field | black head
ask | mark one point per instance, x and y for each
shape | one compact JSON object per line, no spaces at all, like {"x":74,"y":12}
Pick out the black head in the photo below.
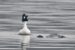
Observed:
{"x":24,"y":17}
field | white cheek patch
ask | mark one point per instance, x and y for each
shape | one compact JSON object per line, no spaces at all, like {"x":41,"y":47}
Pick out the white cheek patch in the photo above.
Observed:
{"x":24,"y":17}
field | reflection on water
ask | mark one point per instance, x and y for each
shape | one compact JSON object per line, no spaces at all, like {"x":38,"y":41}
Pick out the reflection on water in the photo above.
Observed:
{"x":46,"y":17}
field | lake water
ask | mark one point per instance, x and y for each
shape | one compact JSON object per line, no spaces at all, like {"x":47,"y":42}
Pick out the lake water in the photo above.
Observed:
{"x":45,"y":17}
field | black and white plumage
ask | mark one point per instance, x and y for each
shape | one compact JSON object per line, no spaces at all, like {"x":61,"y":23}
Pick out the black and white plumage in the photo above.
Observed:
{"x":25,"y":30}
{"x":24,"y":17}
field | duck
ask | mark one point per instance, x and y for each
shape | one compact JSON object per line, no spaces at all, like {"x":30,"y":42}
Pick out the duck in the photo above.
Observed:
{"x":40,"y":36}
{"x":25,"y":30}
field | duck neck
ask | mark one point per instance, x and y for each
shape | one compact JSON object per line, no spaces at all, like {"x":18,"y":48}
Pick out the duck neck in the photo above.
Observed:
{"x":25,"y":24}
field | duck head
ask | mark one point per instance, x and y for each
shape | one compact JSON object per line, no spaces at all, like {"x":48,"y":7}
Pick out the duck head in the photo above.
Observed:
{"x":24,"y":17}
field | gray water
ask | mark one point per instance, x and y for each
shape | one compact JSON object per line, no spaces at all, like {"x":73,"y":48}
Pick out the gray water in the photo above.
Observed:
{"x":45,"y":17}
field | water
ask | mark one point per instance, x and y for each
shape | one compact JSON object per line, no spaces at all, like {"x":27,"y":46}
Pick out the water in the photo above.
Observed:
{"x":45,"y":17}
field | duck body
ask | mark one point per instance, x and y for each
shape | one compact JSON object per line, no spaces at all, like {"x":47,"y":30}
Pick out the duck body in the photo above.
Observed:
{"x":40,"y":36}
{"x":25,"y":30}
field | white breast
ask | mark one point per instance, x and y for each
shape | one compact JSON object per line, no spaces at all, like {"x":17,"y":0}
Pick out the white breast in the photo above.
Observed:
{"x":25,"y":31}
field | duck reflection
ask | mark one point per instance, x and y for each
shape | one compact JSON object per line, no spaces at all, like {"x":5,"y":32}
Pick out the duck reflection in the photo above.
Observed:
{"x":24,"y":47}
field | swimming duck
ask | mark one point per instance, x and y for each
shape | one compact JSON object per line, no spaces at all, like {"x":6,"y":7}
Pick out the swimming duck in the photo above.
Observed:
{"x":40,"y":36}
{"x":25,"y":30}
